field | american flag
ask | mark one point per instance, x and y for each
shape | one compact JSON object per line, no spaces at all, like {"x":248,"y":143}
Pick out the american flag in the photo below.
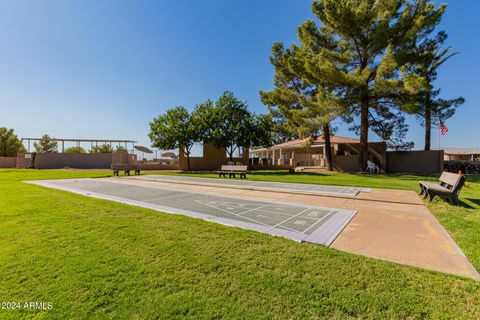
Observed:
{"x":443,"y":129}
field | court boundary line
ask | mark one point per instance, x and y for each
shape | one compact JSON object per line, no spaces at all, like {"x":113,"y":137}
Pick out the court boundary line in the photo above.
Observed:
{"x":250,"y":187}
{"x":292,"y":235}
{"x":277,"y":191}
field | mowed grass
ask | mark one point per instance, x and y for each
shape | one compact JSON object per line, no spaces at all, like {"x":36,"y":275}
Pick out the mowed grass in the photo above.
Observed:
{"x":104,"y":260}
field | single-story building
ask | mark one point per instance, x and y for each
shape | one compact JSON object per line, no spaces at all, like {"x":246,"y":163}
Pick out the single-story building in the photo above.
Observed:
{"x":464,"y":154}
{"x":311,"y":152}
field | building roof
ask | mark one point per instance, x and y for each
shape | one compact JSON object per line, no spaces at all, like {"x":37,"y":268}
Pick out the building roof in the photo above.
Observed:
{"x":461,"y":151}
{"x":318,"y":140}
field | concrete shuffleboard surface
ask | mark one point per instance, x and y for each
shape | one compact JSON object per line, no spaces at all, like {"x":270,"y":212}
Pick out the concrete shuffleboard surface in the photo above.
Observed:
{"x":306,"y":188}
{"x":315,"y":224}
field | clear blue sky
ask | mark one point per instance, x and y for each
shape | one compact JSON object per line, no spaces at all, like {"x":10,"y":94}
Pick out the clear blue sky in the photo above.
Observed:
{"x":104,"y":69}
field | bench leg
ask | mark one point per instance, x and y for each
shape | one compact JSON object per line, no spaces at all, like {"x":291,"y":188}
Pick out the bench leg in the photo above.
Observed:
{"x":127,"y":172}
{"x":454,"y":200}
{"x":422,"y":191}
{"x":431,"y":196}
{"x":137,"y":172}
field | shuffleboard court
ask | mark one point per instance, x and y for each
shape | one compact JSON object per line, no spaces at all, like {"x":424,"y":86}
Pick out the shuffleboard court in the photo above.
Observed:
{"x":259,"y":185}
{"x":314,"y":224}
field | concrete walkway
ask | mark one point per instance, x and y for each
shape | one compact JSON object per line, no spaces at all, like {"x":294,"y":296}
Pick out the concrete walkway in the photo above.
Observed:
{"x":392,"y":225}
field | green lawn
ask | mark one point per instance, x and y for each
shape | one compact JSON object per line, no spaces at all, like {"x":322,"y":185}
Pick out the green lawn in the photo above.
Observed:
{"x":104,"y":260}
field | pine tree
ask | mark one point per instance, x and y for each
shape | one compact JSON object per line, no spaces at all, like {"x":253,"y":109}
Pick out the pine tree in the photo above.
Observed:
{"x":302,"y":101}
{"x":10,"y":144}
{"x":46,"y":145}
{"x":432,"y":108}
{"x":369,"y":55}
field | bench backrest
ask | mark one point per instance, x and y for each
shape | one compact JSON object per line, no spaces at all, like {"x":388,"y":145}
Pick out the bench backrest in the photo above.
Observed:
{"x":451,"y":180}
{"x":124,"y":167}
{"x":234,"y":168}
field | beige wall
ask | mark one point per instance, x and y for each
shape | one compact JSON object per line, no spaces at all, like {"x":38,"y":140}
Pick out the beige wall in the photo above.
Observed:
{"x":212,"y":159}
{"x":8,"y":162}
{"x":123,"y":157}
{"x":73,"y":160}
{"x":346,"y":163}
{"x":25,"y":160}
{"x":377,"y":153}
{"x":415,"y":162}
{"x":159,"y":167}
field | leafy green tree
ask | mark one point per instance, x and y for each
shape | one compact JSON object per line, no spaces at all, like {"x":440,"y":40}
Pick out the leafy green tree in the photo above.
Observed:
{"x":10,"y":145}
{"x":46,"y":145}
{"x":432,"y":109}
{"x":206,"y":116}
{"x":103,"y":148}
{"x":234,"y":127}
{"x":365,"y":53}
{"x":120,"y":148}
{"x":262,"y":135}
{"x":76,"y":149}
{"x":176,"y":129}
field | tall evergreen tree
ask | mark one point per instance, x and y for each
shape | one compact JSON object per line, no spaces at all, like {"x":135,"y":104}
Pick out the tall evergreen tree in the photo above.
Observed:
{"x":369,"y":55}
{"x":305,"y":105}
{"x":46,"y":145}
{"x":10,"y":145}
{"x":432,"y":109}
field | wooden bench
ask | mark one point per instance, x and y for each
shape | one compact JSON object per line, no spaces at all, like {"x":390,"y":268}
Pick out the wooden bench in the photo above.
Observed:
{"x":449,"y":188}
{"x":231,"y":170}
{"x":126,"y":168}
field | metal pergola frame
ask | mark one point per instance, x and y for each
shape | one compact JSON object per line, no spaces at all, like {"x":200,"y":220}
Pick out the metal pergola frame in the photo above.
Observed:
{"x":79,"y":141}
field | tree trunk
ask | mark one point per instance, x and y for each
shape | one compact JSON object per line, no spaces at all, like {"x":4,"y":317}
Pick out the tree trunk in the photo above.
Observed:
{"x":428,"y":121}
{"x":328,"y":148}
{"x":188,"y":161}
{"x":364,"y":133}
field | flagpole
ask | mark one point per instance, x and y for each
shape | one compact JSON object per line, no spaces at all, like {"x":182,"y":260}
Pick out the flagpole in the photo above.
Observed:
{"x":438,"y":142}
